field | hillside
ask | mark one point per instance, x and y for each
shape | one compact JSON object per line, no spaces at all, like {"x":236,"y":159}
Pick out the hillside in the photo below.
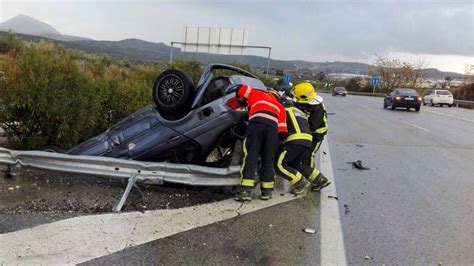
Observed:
{"x":136,"y":49}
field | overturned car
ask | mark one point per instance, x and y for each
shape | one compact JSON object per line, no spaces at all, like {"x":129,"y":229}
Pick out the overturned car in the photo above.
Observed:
{"x":189,"y":124}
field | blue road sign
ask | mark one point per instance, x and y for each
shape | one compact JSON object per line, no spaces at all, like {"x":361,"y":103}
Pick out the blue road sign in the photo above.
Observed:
{"x":287,"y":78}
{"x":375,"y":80}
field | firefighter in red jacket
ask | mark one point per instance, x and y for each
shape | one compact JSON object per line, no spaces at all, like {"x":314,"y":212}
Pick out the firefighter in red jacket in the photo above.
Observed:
{"x":267,"y":119}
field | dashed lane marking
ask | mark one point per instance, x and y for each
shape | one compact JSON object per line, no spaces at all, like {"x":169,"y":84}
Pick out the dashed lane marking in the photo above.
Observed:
{"x":332,"y":241}
{"x":413,"y":125}
{"x":450,"y":116}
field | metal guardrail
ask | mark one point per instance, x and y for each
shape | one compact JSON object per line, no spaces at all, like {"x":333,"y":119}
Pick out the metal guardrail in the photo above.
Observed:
{"x":132,"y":171}
{"x":146,"y":172}
{"x":357,"y":93}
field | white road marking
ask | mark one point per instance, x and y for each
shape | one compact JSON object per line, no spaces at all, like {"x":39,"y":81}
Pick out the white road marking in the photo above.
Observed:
{"x":332,"y":241}
{"x":450,"y":116}
{"x":413,"y":125}
{"x":81,"y":239}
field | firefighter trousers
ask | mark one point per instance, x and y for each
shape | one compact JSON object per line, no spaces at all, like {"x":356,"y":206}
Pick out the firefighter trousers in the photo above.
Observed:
{"x":315,"y":145}
{"x":290,"y":163}
{"x":261,"y":140}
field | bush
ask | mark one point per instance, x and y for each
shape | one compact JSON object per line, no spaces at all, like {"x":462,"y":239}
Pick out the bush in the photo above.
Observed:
{"x":50,"y":96}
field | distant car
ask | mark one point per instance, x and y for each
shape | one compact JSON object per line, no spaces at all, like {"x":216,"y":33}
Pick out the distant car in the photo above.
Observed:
{"x":339,"y":91}
{"x":187,"y":123}
{"x":441,"y":97}
{"x":407,"y":98}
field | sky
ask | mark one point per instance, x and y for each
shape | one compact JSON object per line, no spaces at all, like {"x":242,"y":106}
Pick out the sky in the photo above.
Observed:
{"x":440,"y":32}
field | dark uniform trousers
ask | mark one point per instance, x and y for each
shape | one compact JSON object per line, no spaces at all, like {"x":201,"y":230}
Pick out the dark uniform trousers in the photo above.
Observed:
{"x":290,"y":164}
{"x":315,"y":145}
{"x":261,"y":139}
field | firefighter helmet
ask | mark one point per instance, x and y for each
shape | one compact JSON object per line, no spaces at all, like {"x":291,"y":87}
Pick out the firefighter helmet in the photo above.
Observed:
{"x":304,"y":92}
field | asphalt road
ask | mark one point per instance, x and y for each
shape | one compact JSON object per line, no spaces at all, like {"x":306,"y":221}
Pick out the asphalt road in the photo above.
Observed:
{"x":414,"y":205}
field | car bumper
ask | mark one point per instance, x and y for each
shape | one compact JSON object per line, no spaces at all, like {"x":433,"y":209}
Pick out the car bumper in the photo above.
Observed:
{"x":445,"y":101}
{"x":407,"y":104}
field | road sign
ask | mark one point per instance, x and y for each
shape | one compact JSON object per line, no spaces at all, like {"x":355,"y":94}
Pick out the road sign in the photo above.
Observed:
{"x":375,"y":81}
{"x":287,"y":78}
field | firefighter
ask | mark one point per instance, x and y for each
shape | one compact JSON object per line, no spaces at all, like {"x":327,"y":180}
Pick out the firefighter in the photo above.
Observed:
{"x":312,"y":104}
{"x":296,"y":147}
{"x":267,"y":119}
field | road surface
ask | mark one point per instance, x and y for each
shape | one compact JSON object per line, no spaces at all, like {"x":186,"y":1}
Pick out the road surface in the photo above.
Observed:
{"x":414,"y":206}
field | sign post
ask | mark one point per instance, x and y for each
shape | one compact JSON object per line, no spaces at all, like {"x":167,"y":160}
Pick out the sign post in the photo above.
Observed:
{"x":374,"y":82}
{"x":287,"y":78}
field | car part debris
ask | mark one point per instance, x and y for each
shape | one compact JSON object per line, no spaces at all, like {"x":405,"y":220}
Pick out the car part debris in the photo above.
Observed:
{"x":358,"y":164}
{"x":346,"y":209}
{"x":330,"y":113}
{"x":333,"y":197}
{"x":358,"y":145}
{"x":367,"y":257}
{"x":309,"y":231}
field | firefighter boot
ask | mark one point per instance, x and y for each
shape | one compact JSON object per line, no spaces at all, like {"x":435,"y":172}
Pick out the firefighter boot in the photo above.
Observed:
{"x":266,"y":194}
{"x":244,"y":195}
{"x":300,"y":186}
{"x":321,"y":183}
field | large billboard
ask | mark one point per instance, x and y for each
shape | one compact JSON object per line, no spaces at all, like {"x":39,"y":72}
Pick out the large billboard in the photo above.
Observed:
{"x":215,"y":40}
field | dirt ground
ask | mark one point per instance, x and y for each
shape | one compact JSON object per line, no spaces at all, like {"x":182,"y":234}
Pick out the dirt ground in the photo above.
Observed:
{"x":34,"y":196}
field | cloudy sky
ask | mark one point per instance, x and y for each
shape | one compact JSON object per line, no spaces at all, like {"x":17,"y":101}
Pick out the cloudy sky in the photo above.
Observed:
{"x":442,"y":32}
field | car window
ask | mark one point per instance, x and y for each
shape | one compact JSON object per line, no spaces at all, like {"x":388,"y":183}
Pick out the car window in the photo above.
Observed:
{"x":443,"y":93}
{"x":215,"y":89}
{"x":408,"y":92}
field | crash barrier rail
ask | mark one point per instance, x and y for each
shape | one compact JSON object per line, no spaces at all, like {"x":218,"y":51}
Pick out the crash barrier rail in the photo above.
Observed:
{"x":378,"y":94}
{"x":133,"y":171}
{"x":456,"y":102}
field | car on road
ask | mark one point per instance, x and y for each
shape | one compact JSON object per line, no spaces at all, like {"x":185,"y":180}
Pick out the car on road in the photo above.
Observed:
{"x":440,"y":97}
{"x":187,"y":123}
{"x":402,"y":97}
{"x":339,"y":91}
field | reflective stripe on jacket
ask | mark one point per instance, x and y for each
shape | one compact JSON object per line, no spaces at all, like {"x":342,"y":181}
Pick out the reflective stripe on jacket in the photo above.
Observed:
{"x":264,"y":108}
{"x":317,"y":119}
{"x":298,"y":127}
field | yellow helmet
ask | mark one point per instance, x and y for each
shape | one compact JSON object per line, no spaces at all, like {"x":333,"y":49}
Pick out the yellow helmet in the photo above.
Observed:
{"x":304,"y":92}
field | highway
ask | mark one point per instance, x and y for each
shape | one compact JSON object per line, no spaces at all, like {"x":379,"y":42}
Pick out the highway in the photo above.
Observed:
{"x":414,"y":206}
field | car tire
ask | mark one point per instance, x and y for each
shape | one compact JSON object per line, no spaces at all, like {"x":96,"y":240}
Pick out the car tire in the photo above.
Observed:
{"x":392,"y":106}
{"x":384,"y":105}
{"x":173,"y":92}
{"x":450,"y":105}
{"x":431,"y":102}
{"x":424,"y":103}
{"x":417,"y":108}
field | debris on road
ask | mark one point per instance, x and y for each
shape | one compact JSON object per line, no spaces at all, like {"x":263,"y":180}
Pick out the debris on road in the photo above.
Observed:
{"x":368,"y":257}
{"x":341,"y":169}
{"x":358,"y":145}
{"x":346,"y":209}
{"x":358,"y":164}
{"x":333,"y":197}
{"x":309,"y":231}
{"x":330,"y":113}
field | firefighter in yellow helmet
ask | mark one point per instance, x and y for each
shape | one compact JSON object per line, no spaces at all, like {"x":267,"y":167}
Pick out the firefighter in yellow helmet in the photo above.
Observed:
{"x":311,"y":103}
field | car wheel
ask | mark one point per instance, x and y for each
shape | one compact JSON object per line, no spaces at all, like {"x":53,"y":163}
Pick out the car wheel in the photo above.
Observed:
{"x":450,"y":105}
{"x":417,"y":108}
{"x":392,"y":106}
{"x":384,"y":105}
{"x":424,"y":102}
{"x":173,"y":92}
{"x":432,"y":104}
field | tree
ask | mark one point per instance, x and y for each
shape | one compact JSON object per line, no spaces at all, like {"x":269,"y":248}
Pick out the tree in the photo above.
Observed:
{"x":395,"y":73}
{"x":321,"y":76}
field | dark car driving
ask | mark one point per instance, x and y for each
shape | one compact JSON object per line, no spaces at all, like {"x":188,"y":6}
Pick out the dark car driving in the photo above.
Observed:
{"x":187,"y":124}
{"x":339,"y":91}
{"x":403,"y":97}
